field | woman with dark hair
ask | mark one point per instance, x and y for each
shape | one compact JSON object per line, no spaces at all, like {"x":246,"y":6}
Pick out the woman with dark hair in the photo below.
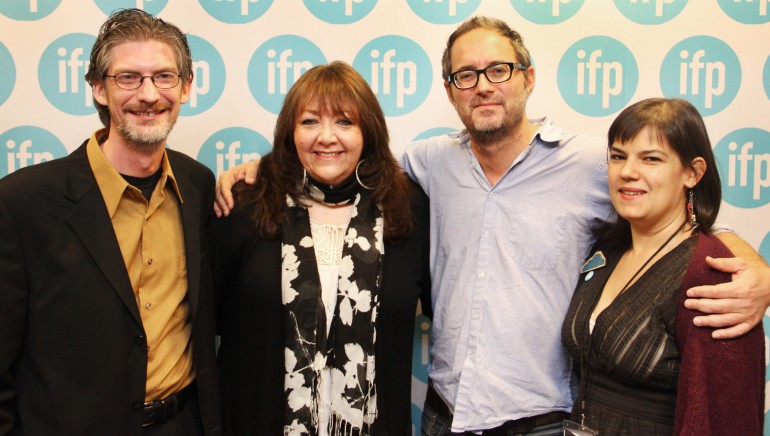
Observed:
{"x":319,"y":270}
{"x":644,"y":368}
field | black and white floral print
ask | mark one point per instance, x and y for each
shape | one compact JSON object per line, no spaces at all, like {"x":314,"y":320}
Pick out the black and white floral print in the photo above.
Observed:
{"x":348,"y":349}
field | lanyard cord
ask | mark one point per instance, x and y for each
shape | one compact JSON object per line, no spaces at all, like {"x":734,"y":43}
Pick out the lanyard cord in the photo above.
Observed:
{"x":583,"y":360}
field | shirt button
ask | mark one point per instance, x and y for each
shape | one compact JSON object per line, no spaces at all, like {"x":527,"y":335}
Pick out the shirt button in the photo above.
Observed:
{"x":139,"y":340}
{"x":147,"y":306}
{"x":486,"y":233}
{"x":149,"y":261}
{"x":481,"y":274}
{"x":472,"y":356}
{"x":475,"y":315}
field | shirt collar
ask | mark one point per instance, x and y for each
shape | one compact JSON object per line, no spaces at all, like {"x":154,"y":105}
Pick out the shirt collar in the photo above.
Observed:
{"x":111,"y":183}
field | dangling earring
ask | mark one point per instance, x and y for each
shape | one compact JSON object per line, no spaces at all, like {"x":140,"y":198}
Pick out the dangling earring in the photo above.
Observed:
{"x":359,"y":179}
{"x":691,"y":210}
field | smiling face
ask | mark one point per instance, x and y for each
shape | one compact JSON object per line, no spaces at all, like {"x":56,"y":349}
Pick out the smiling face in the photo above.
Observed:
{"x":489,"y":109}
{"x":648,"y":181}
{"x":329,"y":144}
{"x":143,"y":117}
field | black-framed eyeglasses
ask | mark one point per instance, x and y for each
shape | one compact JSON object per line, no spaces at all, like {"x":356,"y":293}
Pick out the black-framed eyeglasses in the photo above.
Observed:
{"x":495,"y":73}
{"x":162,"y":80}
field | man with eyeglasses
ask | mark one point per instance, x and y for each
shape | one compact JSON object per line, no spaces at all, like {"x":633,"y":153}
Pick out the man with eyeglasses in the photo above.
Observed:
{"x":106,"y":308}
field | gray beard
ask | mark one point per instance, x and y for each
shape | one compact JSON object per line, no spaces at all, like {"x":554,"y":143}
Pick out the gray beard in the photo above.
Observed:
{"x":145,"y":142}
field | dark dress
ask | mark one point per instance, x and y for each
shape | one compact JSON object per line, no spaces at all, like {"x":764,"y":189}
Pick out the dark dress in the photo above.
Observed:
{"x":644,"y":342}
{"x":247,"y":271}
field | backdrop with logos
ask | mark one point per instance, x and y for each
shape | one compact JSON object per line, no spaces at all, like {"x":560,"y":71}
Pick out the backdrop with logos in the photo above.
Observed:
{"x":591,"y":57}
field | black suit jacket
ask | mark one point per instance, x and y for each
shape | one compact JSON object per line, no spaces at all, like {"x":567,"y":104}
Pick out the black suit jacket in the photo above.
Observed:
{"x":73,"y":357}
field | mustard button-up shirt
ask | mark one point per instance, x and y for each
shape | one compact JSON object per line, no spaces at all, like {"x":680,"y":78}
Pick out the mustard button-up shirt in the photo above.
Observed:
{"x":151,"y":241}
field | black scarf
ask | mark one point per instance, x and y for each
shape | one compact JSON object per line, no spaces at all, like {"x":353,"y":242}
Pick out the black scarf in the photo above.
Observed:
{"x":349,"y":348}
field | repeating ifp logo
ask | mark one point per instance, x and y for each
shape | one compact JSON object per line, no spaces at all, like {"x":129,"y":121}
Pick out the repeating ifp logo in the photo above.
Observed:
{"x":150,"y":6}
{"x":28,"y":10}
{"x":398,"y":70}
{"x":597,"y":76}
{"x":650,"y":11}
{"x":443,"y":11}
{"x":232,"y":146}
{"x":547,"y":11}
{"x":7,"y":73}
{"x":743,"y":158}
{"x":209,"y":76}
{"x":703,"y":70}
{"x":766,"y":77}
{"x":277,"y":64}
{"x":28,"y":145}
{"x":236,"y":11}
{"x":340,"y":11}
{"x":746,"y":11}
{"x":61,"y":70}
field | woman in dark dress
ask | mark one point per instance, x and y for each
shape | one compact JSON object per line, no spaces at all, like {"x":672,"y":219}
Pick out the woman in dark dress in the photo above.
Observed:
{"x":644,"y":368}
{"x":319,"y":270}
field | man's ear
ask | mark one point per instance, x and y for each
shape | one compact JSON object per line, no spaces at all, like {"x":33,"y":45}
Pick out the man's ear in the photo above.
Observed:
{"x":448,"y":89}
{"x":100,"y":93}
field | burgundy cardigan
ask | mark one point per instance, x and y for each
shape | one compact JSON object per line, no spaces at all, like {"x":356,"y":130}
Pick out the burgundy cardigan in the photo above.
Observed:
{"x":721,"y":382}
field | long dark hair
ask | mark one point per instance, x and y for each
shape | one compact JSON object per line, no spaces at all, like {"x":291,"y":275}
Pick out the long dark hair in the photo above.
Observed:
{"x":339,"y":88}
{"x":679,"y":123}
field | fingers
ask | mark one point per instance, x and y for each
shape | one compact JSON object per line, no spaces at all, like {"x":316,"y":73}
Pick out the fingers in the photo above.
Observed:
{"x":727,"y":264}
{"x":730,"y":332}
{"x":223,"y":202}
{"x":218,"y":211}
{"x":251,"y":170}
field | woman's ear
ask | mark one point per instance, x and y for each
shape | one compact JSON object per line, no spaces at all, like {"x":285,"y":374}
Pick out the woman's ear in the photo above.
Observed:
{"x":696,"y":172}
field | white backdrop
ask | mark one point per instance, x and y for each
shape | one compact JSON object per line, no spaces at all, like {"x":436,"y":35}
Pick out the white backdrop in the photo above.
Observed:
{"x":592,"y":57}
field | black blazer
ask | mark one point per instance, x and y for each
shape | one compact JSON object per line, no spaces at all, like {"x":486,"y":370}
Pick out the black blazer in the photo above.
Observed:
{"x":73,"y":357}
{"x":247,"y":275}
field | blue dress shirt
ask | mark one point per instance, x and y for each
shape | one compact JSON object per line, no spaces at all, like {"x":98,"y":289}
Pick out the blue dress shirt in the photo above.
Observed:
{"x":505,"y":260}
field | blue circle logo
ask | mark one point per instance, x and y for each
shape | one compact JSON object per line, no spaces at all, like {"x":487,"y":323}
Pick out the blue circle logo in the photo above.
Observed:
{"x":436,"y":131}
{"x":150,"y":6}
{"x":547,"y":11}
{"x":232,"y":146}
{"x":743,"y":159}
{"x":598,"y":76}
{"x":443,"y":12}
{"x":28,"y":10}
{"x":399,"y":72}
{"x":340,"y":11}
{"x":766,"y":77}
{"x":703,"y":70}
{"x":746,"y":11}
{"x":650,"y":12}
{"x":209,"y":77}
{"x":23,"y":146}
{"x":61,"y":70}
{"x":277,"y":64}
{"x":7,"y":73}
{"x":236,"y":11}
